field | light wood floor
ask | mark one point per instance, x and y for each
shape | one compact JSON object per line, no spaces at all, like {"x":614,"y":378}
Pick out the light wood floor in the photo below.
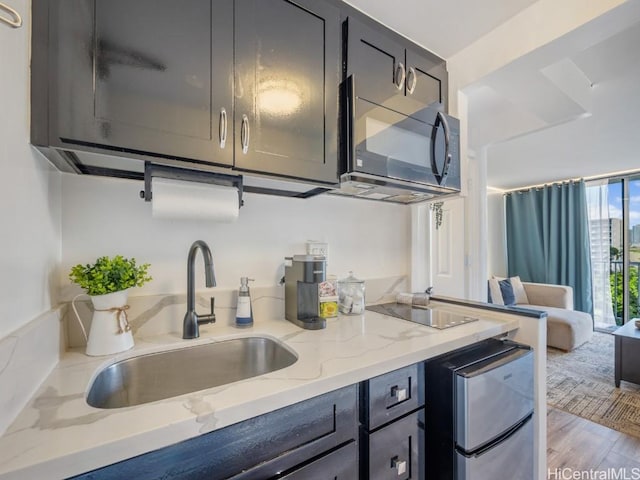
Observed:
{"x":581,"y":445}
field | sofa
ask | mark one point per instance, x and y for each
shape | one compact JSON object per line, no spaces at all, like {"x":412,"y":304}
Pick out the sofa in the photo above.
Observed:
{"x":566,"y":328}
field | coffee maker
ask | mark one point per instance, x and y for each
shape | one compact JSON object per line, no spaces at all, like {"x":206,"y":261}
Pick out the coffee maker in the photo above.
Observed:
{"x":302,"y":277}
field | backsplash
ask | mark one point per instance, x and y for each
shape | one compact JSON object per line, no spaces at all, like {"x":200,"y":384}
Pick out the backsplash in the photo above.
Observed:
{"x":105,"y":216}
{"x":151,"y":315}
{"x":27,"y":356}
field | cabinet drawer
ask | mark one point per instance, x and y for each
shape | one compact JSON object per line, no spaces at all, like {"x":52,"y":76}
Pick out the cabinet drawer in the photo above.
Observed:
{"x":394,"y":452}
{"x":391,"y":395}
{"x":260,"y":447}
{"x":341,"y":464}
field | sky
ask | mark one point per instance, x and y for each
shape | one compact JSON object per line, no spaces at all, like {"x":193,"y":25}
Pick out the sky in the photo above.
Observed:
{"x":615,"y":201}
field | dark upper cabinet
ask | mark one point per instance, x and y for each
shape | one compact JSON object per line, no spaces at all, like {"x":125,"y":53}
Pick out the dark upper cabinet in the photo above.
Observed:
{"x":376,"y":61}
{"x":426,"y":79}
{"x":249,"y":84}
{"x":287,"y":60}
{"x":148,"y":76}
{"x":390,"y":71}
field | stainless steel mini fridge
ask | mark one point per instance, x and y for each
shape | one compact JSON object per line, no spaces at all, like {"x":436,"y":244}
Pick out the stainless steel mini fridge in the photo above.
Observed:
{"x":479,"y":408}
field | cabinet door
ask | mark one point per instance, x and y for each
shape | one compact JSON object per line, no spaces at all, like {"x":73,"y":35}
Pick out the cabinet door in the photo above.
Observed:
{"x":377,"y":63}
{"x":426,"y":80}
{"x":149,"y":77}
{"x":342,"y":464}
{"x":287,"y":74}
{"x":255,"y":449}
{"x":395,"y":452}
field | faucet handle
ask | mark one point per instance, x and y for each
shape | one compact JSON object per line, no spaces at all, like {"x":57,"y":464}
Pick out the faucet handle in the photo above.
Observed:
{"x":209,"y":317}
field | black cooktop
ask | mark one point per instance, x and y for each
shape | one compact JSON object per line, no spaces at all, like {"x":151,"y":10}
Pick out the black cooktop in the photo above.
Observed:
{"x":429,"y":316}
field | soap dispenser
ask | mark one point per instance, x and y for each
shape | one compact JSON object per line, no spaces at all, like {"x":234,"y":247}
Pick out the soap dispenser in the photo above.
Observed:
{"x":244,"y":312}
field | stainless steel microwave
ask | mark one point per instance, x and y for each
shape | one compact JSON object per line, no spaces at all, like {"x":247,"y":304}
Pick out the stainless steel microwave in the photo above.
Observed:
{"x":397,"y":156}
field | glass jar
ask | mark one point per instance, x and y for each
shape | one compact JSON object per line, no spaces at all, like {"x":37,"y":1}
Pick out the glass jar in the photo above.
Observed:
{"x":351,"y":295}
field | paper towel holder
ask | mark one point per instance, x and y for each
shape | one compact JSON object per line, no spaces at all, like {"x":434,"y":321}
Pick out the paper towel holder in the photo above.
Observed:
{"x":162,"y":171}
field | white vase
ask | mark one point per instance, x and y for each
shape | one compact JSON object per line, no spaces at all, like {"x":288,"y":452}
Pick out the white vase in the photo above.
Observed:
{"x":110,"y":331}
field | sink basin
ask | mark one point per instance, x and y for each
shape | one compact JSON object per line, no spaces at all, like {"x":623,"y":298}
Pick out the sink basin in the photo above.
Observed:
{"x":155,"y":376}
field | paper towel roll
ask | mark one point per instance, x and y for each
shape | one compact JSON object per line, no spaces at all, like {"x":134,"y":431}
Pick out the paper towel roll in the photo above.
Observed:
{"x":179,"y":199}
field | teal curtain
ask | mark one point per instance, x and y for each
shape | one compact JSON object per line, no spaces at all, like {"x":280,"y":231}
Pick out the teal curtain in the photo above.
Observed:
{"x":548,"y":238}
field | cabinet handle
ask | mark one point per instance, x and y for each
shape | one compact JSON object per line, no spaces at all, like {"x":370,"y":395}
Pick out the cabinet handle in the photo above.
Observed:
{"x":15,"y":21}
{"x":399,"y":76}
{"x":400,"y":466}
{"x":412,"y":79}
{"x":399,"y":394}
{"x":222,"y":128}
{"x":244,"y":134}
{"x":441,"y":176}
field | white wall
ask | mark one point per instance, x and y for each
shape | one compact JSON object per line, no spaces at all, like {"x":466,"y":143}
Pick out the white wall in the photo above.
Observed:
{"x":29,"y":193}
{"x":496,"y":236}
{"x":105,"y":216}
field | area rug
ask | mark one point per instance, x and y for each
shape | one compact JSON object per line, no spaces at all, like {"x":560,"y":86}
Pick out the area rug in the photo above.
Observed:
{"x":581,"y":382}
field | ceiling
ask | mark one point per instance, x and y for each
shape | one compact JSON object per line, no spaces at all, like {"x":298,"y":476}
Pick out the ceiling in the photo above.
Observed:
{"x":566,"y":110}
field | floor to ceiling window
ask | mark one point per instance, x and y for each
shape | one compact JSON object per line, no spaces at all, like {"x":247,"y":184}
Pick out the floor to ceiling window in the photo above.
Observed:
{"x":614,"y":223}
{"x":634,"y":246}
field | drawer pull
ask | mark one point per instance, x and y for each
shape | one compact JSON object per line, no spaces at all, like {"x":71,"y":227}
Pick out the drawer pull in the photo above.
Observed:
{"x":400,"y":466}
{"x":399,"y":393}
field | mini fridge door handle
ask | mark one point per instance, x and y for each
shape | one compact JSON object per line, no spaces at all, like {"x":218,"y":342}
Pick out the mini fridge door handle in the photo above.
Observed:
{"x":511,"y":458}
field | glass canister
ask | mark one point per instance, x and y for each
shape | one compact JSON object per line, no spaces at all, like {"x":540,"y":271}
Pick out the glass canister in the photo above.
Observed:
{"x":351,"y":295}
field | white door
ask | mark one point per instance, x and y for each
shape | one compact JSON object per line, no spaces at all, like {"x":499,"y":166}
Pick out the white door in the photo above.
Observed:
{"x":447,"y":248}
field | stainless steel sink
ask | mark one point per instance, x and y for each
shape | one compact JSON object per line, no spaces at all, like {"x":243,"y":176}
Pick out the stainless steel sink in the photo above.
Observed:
{"x":155,"y":376}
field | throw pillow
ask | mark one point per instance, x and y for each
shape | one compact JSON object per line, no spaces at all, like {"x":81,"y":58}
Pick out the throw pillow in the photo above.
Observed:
{"x":495,"y":294}
{"x":518,"y":289}
{"x":508,"y":297}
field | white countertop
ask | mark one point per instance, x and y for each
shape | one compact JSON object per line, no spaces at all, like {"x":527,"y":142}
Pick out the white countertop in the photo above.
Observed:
{"x":58,"y":435}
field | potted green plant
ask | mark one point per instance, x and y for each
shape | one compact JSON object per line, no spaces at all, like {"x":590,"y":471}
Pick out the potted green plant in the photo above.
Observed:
{"x":107,"y":283}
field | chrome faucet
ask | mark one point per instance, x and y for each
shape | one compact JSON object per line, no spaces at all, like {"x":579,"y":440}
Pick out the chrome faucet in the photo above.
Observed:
{"x":190,"y":325}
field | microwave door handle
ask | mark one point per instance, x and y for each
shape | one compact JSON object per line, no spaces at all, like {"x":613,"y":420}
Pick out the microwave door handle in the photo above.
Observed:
{"x":349,"y":147}
{"x":442,"y":176}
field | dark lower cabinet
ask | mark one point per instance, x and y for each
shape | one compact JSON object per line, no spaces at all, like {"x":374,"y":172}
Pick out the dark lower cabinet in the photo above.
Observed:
{"x":294,"y":439}
{"x":341,"y":464}
{"x":390,"y":396}
{"x":370,"y":431}
{"x":392,"y":425}
{"x":394,"y":452}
